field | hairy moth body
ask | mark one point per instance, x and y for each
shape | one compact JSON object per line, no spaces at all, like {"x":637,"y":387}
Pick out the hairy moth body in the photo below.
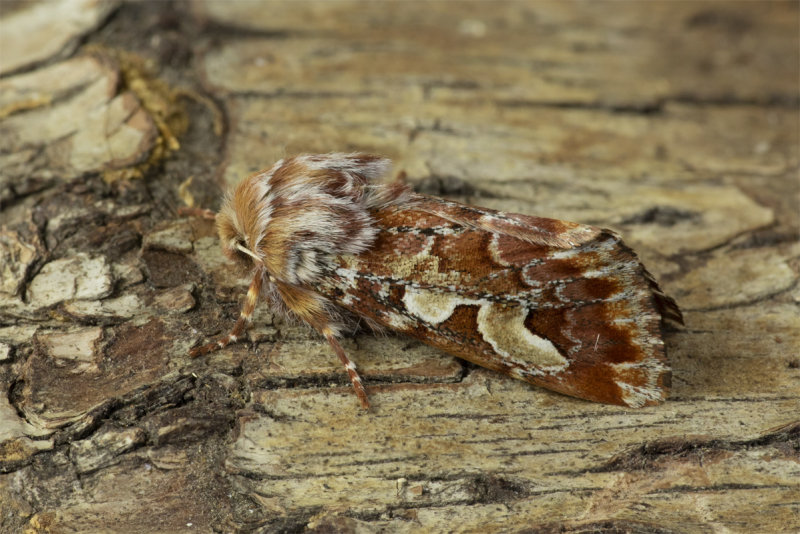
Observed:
{"x":565,"y":306}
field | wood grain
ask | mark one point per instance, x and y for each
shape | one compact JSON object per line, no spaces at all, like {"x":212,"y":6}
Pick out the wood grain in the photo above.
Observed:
{"x":674,"y":123}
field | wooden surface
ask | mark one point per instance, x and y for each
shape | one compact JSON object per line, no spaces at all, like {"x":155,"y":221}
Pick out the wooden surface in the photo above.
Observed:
{"x":675,"y":123}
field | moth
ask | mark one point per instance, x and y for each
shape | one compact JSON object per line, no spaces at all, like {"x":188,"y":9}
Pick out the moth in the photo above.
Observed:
{"x":565,"y":306}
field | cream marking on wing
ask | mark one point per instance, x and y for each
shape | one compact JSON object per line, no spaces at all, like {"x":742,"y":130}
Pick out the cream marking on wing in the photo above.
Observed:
{"x":406,"y":266}
{"x":495,"y":252}
{"x":565,"y":254}
{"x":503,"y":327}
{"x":434,"y":308}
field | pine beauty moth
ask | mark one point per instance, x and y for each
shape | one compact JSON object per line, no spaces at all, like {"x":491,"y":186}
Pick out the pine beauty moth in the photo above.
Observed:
{"x":561,"y":305}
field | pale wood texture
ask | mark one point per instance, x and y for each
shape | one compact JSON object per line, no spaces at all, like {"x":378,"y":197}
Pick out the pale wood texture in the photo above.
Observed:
{"x":675,"y":123}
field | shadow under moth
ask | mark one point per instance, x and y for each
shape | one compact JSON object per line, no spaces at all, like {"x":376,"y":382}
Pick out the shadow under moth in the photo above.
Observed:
{"x":561,"y":305}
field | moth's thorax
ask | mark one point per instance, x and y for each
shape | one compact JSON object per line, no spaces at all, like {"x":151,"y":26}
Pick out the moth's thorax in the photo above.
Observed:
{"x":295,"y":217}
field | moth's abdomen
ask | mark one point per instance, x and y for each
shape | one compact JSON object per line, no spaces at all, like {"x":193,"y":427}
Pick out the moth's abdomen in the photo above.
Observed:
{"x":583,"y":320}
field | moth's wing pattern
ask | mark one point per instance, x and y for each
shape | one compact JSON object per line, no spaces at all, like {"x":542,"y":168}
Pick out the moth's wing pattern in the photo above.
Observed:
{"x":534,"y":230}
{"x":541,"y":231}
{"x":565,"y":306}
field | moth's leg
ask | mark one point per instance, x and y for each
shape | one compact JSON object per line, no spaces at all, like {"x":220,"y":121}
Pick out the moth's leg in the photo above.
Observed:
{"x":197,"y":212}
{"x":310,"y":307}
{"x":245,"y":316}
{"x":348,"y":365}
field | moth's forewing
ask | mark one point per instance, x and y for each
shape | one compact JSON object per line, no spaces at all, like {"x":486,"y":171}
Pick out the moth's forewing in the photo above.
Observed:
{"x":579,"y":315}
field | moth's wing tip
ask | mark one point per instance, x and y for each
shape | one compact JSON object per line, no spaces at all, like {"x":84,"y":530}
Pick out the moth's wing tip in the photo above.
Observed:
{"x":652,"y":393}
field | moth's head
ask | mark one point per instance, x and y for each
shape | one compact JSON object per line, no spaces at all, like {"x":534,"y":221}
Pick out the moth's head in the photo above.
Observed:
{"x":234,"y":244}
{"x":241,"y":223}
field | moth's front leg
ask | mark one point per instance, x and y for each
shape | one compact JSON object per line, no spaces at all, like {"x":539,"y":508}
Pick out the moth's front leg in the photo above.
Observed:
{"x":249,"y":306}
{"x":245,"y":317}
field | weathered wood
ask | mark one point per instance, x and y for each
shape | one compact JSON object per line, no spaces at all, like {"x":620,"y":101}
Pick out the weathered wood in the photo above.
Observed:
{"x":674,"y":123}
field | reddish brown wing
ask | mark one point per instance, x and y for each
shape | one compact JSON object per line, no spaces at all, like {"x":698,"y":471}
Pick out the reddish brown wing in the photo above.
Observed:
{"x":492,"y":288}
